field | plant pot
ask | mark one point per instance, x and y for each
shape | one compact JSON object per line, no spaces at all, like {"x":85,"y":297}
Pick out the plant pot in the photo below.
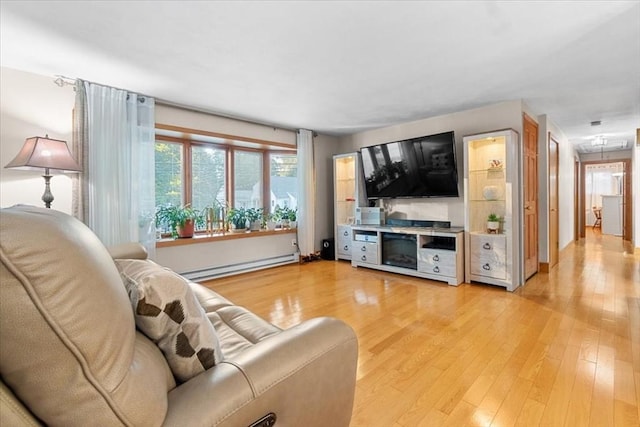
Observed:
{"x":293,"y":224}
{"x":186,"y":230}
{"x":493,"y":226}
{"x":271,"y":225}
{"x":238,"y":230}
{"x":256,"y":225}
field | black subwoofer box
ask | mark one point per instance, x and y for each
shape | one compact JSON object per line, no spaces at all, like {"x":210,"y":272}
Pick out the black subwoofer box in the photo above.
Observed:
{"x":328,"y":249}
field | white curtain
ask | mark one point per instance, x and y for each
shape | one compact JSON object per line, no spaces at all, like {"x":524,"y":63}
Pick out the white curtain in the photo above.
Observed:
{"x":306,"y":193}
{"x":119,"y":174}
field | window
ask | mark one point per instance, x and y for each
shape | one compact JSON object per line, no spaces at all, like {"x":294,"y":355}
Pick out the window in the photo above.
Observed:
{"x":208,"y":174}
{"x":209,"y":171}
{"x":283,"y":179}
{"x":169,"y":188}
{"x":247,"y":179}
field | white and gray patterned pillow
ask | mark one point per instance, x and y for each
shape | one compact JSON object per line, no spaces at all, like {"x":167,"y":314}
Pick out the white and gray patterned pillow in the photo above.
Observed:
{"x":167,"y":312}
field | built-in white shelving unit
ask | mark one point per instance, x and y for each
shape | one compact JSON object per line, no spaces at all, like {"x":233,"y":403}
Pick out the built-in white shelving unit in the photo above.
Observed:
{"x":348,"y":195}
{"x":492,"y":185}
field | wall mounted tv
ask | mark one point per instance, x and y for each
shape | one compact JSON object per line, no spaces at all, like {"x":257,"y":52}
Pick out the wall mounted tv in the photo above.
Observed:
{"x":417,"y":167}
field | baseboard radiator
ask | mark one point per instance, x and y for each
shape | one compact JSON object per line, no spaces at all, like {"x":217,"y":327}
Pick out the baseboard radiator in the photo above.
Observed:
{"x":242,"y":267}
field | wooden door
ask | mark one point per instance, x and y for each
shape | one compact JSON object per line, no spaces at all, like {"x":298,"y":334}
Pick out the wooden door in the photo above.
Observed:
{"x":530,"y":174}
{"x":554,"y":243}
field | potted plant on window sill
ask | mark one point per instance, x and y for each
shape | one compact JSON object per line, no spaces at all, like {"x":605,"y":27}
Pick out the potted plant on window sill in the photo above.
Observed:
{"x":493,"y":223}
{"x":254,"y":216}
{"x":269,"y":221}
{"x":237,"y":218}
{"x":180,"y":219}
{"x":286,"y":216}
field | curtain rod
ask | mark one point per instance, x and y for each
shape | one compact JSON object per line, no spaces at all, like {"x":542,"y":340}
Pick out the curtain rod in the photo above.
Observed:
{"x":70,"y":81}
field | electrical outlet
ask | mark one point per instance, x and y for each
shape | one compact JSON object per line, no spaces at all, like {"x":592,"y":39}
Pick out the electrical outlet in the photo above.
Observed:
{"x":293,"y":242}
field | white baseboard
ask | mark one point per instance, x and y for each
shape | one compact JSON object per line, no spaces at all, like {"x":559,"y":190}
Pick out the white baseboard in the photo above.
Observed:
{"x":242,"y":267}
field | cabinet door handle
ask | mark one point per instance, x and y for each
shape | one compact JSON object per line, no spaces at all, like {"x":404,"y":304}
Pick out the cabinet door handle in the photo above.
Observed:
{"x":436,"y":269}
{"x":346,"y":247}
{"x":363,"y":249}
{"x":436,"y":258}
{"x":363,"y":257}
{"x":486,"y":246}
{"x":486,"y":267}
{"x":346,"y":233}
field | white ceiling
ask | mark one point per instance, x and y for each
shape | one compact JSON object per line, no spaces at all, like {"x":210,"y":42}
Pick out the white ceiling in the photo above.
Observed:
{"x":342,"y":67}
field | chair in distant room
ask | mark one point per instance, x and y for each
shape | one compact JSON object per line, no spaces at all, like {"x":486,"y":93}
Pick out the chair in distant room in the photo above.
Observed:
{"x":597,"y":212}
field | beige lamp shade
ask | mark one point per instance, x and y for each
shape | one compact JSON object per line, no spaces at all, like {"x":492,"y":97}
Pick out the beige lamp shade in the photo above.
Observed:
{"x":45,"y":153}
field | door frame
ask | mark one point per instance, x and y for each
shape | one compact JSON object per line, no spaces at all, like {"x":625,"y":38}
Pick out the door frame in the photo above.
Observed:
{"x":550,"y":239}
{"x":627,"y":220}
{"x":536,"y":199}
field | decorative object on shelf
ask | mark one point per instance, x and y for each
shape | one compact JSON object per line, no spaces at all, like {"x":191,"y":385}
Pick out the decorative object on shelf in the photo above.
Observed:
{"x":495,"y":165}
{"x":493,"y":223}
{"x":45,"y":153}
{"x":237,"y":218}
{"x":491,"y":192}
{"x":181,"y":220}
{"x":214,"y":216}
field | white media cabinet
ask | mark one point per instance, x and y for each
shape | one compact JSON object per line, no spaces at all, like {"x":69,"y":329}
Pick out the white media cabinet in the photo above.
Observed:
{"x":428,"y":252}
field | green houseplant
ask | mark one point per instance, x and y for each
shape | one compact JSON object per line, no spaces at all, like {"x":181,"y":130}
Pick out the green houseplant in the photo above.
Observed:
{"x":285,"y":215}
{"x":181,"y":220}
{"x":254,"y":216}
{"x":237,"y":218}
{"x":493,"y":223}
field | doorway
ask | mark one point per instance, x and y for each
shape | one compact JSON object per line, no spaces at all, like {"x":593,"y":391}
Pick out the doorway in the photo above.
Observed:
{"x":605,"y":187}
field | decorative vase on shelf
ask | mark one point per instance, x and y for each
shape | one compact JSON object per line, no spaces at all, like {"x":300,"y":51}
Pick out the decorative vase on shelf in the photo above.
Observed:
{"x":491,"y":192}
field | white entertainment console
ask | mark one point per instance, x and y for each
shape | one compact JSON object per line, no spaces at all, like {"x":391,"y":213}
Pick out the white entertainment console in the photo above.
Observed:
{"x":428,"y":252}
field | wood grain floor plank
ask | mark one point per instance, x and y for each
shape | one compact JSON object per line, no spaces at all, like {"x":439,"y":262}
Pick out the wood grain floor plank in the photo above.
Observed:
{"x":562,"y":350}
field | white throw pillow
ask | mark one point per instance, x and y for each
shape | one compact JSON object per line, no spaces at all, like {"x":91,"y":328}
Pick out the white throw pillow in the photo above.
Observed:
{"x":167,"y":311}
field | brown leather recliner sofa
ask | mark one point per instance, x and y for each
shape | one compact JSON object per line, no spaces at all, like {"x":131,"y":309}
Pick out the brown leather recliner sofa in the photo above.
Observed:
{"x":70,"y":353}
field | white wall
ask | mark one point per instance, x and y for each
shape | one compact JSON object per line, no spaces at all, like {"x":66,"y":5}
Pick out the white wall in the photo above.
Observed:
{"x":566,"y":158}
{"x":169,"y":115}
{"x":324,"y":149}
{"x":636,"y":192}
{"x":32,"y":105}
{"x":201,"y":256}
{"x":493,"y":117}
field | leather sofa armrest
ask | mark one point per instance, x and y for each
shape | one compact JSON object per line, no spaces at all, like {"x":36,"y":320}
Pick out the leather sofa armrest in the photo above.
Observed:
{"x":305,"y":375}
{"x":132,"y":250}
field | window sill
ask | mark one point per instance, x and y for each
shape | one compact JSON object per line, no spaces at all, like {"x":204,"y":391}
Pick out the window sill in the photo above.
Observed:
{"x":206,"y":238}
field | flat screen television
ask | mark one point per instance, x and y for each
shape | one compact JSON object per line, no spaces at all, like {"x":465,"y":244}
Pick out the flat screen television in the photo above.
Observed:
{"x":416,"y":167}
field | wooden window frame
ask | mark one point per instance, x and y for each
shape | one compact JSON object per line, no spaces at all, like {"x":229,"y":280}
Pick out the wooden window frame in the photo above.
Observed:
{"x":230,"y":144}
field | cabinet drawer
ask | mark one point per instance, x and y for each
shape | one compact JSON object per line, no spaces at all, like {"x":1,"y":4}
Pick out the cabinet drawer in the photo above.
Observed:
{"x":344,"y":232}
{"x":365,"y":252}
{"x":343,"y":240}
{"x":344,"y":246}
{"x":488,"y":255}
{"x":436,"y":261}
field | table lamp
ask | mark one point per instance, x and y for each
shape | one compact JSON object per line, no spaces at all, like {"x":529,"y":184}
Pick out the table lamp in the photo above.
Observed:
{"x":44,"y":152}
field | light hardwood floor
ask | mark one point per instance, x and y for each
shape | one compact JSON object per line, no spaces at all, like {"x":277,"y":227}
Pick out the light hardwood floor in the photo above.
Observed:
{"x":564,"y":350}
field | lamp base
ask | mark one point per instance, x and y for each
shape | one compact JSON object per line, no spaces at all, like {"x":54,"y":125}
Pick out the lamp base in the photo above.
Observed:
{"x":47,"y":197}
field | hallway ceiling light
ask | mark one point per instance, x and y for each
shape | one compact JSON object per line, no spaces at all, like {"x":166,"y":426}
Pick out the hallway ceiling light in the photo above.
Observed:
{"x":599,"y":141}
